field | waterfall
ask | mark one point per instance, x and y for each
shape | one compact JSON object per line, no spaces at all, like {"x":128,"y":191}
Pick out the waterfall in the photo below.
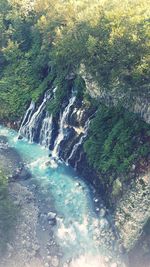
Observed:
{"x":27,"y":117}
{"x":28,"y":129}
{"x":76,"y":146}
{"x":63,"y":124}
{"x":46,"y":131}
{"x":37,"y":125}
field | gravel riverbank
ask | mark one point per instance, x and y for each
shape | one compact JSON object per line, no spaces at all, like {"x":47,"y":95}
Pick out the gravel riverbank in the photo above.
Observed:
{"x":33,"y":242}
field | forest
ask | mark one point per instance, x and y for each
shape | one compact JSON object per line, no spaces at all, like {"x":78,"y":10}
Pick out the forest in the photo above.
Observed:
{"x":45,"y":41}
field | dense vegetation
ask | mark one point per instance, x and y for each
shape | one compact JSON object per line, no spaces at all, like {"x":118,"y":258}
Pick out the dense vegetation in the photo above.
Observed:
{"x":46,"y":40}
{"x":8,"y":213}
{"x":117,"y":141}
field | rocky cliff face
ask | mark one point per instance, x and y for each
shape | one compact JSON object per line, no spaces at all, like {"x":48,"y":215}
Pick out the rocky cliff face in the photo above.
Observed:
{"x":133,"y":211}
{"x":138,"y":103}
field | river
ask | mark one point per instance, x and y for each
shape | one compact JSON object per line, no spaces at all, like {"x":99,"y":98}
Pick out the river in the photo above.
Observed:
{"x":84,"y":236}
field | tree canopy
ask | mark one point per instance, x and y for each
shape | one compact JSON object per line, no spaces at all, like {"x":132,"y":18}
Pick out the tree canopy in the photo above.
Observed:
{"x":51,"y":38}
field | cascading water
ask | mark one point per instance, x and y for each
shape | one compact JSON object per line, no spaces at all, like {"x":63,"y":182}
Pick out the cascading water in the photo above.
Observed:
{"x":63,"y":123}
{"x":28,"y":129}
{"x":46,"y":131}
{"x":76,"y":146}
{"x":26,"y":118}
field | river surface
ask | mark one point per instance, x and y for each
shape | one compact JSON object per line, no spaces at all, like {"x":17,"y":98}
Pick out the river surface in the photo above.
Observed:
{"x":78,"y":227}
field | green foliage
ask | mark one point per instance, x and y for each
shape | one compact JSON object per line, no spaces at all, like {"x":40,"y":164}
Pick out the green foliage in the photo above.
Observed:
{"x":54,"y":106}
{"x":61,"y":92}
{"x":8,"y":213}
{"x":15,"y":85}
{"x":117,"y":139}
{"x":44,"y":85}
{"x":79,"y":86}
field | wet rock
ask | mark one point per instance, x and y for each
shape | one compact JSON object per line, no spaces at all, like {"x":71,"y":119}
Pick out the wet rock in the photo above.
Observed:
{"x":48,"y":163}
{"x":78,"y":184}
{"x":51,"y":217}
{"x":52,"y":222}
{"x":20,"y":137}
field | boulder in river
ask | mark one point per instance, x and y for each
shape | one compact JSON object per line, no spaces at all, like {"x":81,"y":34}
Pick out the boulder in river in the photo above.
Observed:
{"x":51,"y":217}
{"x":20,"y":137}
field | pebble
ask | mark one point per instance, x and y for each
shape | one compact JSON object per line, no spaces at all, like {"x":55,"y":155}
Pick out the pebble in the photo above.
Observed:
{"x":55,"y":262}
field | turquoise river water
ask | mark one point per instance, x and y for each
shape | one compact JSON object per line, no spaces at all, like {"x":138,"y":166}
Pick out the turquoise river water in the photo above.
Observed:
{"x":77,"y":230}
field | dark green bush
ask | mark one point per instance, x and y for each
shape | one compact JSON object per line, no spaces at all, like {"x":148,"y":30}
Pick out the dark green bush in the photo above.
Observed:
{"x":116,"y":140}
